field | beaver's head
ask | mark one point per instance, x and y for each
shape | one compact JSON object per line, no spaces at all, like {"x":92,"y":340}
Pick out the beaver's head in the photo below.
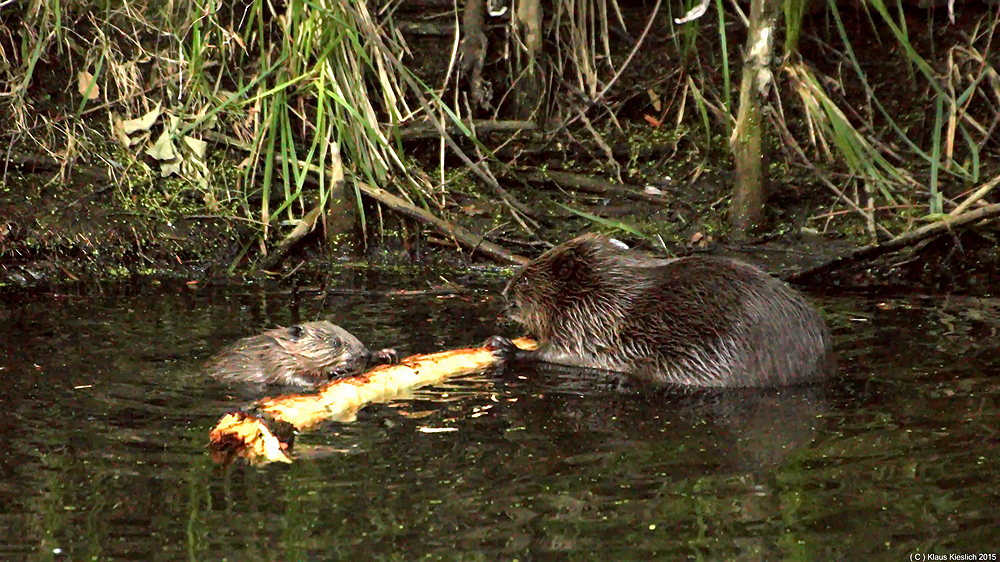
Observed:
{"x":571,"y":287}
{"x":322,"y":347}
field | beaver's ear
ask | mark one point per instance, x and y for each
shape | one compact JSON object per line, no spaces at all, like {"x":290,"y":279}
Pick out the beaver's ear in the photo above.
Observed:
{"x":565,"y":267}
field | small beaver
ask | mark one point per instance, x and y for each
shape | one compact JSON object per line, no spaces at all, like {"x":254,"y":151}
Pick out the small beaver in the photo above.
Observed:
{"x":695,"y":321}
{"x":302,"y":355}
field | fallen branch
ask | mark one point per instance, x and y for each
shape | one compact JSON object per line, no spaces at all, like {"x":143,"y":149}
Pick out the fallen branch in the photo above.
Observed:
{"x":426,"y":130}
{"x":591,"y":184}
{"x":902,"y":241}
{"x":304,"y":227}
{"x":463,"y":237}
{"x":428,"y":28}
{"x":264,"y":432}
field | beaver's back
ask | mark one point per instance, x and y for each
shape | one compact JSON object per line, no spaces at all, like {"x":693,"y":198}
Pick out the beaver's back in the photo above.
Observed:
{"x":709,"y":321}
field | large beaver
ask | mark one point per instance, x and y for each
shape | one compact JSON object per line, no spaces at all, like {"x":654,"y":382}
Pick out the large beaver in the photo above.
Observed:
{"x":302,"y":355}
{"x":700,"y":321}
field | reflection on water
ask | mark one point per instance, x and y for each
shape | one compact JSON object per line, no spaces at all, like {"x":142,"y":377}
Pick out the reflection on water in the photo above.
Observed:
{"x":106,"y":415}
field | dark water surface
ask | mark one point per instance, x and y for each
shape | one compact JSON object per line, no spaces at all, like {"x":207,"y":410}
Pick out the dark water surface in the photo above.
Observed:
{"x":104,"y":419}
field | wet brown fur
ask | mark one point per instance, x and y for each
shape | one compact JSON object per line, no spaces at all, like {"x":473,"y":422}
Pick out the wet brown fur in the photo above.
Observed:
{"x":700,"y":321}
{"x":302,"y":355}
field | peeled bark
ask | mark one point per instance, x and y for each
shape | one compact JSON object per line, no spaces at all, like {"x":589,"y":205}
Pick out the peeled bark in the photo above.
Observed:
{"x":263,"y":433}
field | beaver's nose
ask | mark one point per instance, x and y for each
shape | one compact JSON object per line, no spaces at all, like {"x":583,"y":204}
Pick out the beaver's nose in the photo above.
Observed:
{"x":507,"y":313}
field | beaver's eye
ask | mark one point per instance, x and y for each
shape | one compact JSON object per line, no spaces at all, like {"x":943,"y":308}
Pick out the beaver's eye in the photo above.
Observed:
{"x":295,"y":332}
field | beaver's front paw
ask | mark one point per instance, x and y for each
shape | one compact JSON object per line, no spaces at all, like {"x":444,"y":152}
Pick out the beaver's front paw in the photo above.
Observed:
{"x":387,"y":356}
{"x":502,"y":348}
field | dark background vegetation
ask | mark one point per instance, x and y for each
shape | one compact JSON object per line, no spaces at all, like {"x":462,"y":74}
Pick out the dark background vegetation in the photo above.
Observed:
{"x":207,"y":137}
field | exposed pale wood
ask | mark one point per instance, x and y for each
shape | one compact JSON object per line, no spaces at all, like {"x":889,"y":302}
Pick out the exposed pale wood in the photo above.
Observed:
{"x":248,"y":434}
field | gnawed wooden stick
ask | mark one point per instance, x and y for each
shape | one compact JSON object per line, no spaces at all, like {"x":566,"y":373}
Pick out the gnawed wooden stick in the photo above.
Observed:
{"x":264,"y":432}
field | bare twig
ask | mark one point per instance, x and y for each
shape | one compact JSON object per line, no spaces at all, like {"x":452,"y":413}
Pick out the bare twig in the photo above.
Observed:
{"x":979,"y":194}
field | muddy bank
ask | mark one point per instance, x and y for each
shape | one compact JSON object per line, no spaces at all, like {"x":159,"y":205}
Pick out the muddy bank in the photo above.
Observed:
{"x":91,"y":230}
{"x":52,"y":233}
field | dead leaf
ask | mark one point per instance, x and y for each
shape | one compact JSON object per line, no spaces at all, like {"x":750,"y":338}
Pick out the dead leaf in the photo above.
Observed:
{"x":654,"y":98}
{"x":87,"y":86}
{"x":163,"y":148}
{"x":139,"y":139}
{"x":196,"y":146}
{"x":473,"y":210}
{"x":170,"y":168}
{"x":143,"y":123}
{"x":116,"y":130}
